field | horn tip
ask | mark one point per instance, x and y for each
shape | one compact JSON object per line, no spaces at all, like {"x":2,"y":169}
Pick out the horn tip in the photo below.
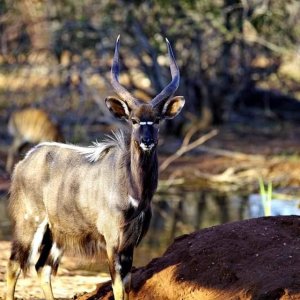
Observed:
{"x":118,"y":38}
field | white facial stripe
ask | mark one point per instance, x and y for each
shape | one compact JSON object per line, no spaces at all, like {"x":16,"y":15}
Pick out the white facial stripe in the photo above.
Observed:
{"x":146,"y":123}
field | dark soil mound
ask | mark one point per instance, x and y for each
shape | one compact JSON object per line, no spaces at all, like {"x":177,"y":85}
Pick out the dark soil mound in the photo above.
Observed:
{"x":252,"y":259}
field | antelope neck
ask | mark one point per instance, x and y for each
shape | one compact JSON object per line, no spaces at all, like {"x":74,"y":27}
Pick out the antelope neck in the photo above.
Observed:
{"x":143,"y":174}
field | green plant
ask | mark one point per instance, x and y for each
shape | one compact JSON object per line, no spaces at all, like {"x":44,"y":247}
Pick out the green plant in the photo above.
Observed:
{"x":266,"y":196}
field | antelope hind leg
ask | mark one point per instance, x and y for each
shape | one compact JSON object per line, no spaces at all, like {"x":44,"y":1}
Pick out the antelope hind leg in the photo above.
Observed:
{"x":48,"y":261}
{"x":13,"y":272}
{"x":44,"y":275}
{"x":18,"y":260}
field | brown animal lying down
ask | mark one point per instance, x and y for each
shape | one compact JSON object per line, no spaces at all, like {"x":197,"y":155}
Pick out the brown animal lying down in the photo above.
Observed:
{"x":246,"y":260}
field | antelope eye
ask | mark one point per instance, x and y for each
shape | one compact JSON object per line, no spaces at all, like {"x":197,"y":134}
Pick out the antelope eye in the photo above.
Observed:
{"x":134,"y":121}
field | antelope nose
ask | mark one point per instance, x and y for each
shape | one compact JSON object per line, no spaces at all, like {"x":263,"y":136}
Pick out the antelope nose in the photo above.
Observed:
{"x":147,"y":141}
{"x":147,"y":144}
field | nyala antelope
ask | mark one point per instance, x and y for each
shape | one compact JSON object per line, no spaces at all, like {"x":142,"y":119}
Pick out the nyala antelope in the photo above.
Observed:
{"x":87,"y":199}
{"x":29,"y":125}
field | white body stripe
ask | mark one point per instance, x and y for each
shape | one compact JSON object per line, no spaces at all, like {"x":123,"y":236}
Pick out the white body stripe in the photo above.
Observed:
{"x":93,"y":152}
{"x":61,"y":145}
{"x":37,"y":240}
{"x":55,"y":252}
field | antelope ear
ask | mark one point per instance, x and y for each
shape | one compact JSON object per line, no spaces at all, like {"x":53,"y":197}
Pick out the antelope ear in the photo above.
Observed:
{"x":173,"y":107}
{"x":117,"y":107}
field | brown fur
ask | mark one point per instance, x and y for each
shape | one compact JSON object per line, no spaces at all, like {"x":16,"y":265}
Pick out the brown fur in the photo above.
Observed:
{"x":145,"y":112}
{"x":33,"y":125}
{"x":30,"y":125}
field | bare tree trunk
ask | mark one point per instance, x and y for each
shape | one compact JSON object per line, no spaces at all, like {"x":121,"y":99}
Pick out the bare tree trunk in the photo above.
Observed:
{"x":222,"y":203}
{"x":233,"y":24}
{"x":201,"y":205}
{"x":176,"y":217}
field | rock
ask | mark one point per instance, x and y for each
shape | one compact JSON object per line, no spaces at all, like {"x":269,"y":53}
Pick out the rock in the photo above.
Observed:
{"x":252,"y":259}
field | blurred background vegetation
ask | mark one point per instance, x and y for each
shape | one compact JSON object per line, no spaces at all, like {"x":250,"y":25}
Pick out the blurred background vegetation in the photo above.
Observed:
{"x":235,"y":56}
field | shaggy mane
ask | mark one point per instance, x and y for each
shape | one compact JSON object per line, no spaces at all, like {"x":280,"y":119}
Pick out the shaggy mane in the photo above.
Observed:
{"x":98,"y":149}
{"x":93,"y":152}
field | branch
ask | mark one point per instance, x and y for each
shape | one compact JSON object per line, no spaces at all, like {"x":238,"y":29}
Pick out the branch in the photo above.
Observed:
{"x":139,"y":32}
{"x":233,"y":154}
{"x":186,"y":148}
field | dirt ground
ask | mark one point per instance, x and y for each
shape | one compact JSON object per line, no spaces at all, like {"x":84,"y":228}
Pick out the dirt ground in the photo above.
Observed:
{"x":257,"y":259}
{"x":72,"y":279}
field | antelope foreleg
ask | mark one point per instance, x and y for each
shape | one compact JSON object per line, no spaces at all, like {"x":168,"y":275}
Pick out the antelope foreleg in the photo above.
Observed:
{"x":120,"y":264}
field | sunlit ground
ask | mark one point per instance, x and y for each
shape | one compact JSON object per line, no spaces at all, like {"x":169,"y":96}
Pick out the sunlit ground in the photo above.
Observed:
{"x":69,"y":281}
